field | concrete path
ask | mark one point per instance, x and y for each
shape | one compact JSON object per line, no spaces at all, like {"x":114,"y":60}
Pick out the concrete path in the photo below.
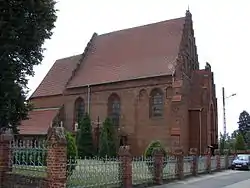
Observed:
{"x":226,"y":179}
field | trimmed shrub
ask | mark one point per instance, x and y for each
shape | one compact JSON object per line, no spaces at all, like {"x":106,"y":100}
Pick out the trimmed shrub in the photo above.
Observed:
{"x":71,"y":153}
{"x":107,"y":146}
{"x":149,"y":153}
{"x":84,"y":138}
{"x":154,"y":145}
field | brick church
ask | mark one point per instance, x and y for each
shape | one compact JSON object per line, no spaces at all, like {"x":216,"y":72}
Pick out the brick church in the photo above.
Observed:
{"x":147,"y":79}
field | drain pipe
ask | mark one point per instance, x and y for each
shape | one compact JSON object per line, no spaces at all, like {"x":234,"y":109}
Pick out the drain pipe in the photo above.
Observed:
{"x":200,"y":119}
{"x":88,"y":99}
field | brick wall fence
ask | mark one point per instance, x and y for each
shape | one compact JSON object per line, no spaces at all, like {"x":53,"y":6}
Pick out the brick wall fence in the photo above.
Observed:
{"x":57,"y":164}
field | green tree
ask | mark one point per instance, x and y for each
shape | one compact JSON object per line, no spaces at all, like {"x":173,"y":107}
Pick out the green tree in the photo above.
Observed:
{"x":25,"y":25}
{"x":222,"y":142}
{"x":71,"y":145}
{"x":84,"y":137}
{"x":71,"y":152}
{"x":240,"y":143}
{"x":244,"y":125}
{"x":226,"y":142}
{"x":107,"y":140}
{"x":247,"y":137}
{"x":234,"y":134}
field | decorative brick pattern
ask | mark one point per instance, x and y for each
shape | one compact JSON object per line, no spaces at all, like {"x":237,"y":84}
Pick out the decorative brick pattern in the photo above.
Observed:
{"x":57,"y":158}
{"x":193,"y":152}
{"x":218,"y":165}
{"x":208,"y":155}
{"x":178,"y":153}
{"x":226,"y":154}
{"x":5,"y":154}
{"x":158,"y":167}
{"x":125,"y":167}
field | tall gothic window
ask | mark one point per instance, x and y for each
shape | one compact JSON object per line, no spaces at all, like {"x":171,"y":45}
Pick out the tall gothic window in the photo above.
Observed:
{"x":114,"y":108}
{"x":79,"y":109}
{"x":156,"y":103}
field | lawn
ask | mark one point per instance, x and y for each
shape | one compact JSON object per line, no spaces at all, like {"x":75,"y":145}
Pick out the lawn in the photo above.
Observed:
{"x":28,"y":170}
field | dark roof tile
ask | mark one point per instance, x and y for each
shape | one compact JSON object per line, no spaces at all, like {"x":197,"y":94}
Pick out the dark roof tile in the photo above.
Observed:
{"x":57,"y":77}
{"x":139,"y":52}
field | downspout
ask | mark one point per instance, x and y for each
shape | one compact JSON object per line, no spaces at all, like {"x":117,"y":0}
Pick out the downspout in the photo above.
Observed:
{"x":200,"y":127}
{"x":173,"y":76}
{"x":88,"y":99}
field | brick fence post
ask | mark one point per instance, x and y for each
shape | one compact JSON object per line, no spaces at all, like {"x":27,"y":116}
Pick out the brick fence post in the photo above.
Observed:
{"x":158,"y":167}
{"x":178,"y":152}
{"x":5,"y":155}
{"x":125,"y":166}
{"x":235,"y":153}
{"x":194,"y":167}
{"x":208,"y":160}
{"x":226,"y":154}
{"x":218,"y":165}
{"x":57,"y":158}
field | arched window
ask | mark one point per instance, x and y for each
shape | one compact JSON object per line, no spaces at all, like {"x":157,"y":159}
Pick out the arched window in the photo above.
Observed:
{"x":114,"y":109}
{"x":156,"y":103}
{"x":79,"y":109}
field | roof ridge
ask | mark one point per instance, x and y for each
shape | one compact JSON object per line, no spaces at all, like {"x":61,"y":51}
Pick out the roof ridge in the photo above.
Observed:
{"x":140,"y":26}
{"x":84,"y":55}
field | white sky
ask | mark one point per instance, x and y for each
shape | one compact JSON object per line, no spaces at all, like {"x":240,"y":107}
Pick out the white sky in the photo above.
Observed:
{"x":222,"y":32}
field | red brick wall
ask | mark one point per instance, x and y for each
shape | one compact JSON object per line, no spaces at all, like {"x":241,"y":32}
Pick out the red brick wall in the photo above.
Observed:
{"x":134,"y":97}
{"x":204,"y":97}
{"x":134,"y":109}
{"x":48,"y":102}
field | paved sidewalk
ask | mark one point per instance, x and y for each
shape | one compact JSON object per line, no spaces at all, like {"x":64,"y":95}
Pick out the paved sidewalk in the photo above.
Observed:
{"x":226,"y":179}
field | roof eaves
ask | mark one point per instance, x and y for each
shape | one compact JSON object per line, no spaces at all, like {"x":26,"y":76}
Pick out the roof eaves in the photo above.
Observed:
{"x":44,"y":96}
{"x":44,"y":109}
{"x":117,"y":81}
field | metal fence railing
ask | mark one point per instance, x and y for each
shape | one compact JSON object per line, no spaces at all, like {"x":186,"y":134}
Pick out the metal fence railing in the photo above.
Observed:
{"x":187,"y":165}
{"x":202,"y":164}
{"x":93,"y":172}
{"x":28,"y":158}
{"x":169,"y":170}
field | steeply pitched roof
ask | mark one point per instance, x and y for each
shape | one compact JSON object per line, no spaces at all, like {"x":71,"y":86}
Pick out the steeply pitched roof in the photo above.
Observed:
{"x":39,"y":121}
{"x":57,"y":77}
{"x":139,"y":52}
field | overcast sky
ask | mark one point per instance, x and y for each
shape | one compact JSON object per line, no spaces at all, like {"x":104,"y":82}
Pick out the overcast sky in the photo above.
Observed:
{"x":222,"y":32}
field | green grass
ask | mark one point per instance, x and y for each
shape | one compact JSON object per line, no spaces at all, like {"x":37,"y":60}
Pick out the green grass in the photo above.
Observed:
{"x":27,"y":170}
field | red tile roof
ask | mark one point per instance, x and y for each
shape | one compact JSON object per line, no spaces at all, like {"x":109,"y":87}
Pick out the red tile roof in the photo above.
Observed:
{"x":39,"y":121}
{"x":139,"y":52}
{"x":57,"y":77}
